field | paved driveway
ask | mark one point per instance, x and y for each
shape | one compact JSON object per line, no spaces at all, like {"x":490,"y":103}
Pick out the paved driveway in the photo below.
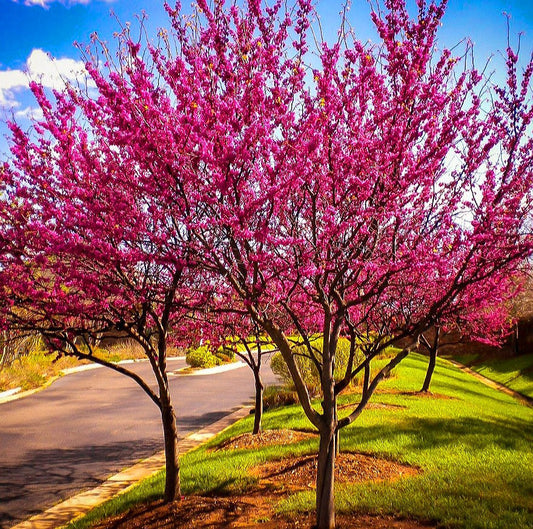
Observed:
{"x":89,"y":425}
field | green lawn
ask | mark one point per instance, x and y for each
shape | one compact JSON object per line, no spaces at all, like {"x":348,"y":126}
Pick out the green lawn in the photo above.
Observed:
{"x":475,"y":450}
{"x":516,"y":373}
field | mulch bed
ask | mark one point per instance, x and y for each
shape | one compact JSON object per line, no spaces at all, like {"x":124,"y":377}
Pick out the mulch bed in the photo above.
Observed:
{"x":422,"y":394}
{"x":254,"y":508}
{"x":375,"y":406}
{"x":300,"y":472}
{"x":268,"y":437}
{"x":250,"y":511}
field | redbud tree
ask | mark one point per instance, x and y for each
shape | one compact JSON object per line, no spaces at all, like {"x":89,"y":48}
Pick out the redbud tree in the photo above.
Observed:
{"x":87,"y":246}
{"x":346,"y":189}
{"x":478,"y":315}
{"x":241,"y":336}
{"x":355,"y":190}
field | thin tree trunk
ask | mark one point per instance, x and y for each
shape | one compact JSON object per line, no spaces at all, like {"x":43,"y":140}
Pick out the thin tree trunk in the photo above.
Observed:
{"x":172,"y":467}
{"x":325,"y":508}
{"x":366,"y":379}
{"x":258,"y":401}
{"x":430,"y":369}
{"x":433,"y":349}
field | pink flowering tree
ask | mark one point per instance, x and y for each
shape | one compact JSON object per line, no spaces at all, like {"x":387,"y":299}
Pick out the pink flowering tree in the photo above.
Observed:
{"x":358,"y":196}
{"x":345,"y":190}
{"x":228,"y":322}
{"x":88,"y":244}
{"x":481,"y":314}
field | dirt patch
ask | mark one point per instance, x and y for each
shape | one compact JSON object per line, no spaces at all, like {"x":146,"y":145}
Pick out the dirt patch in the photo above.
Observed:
{"x":422,"y":394}
{"x":250,"y":511}
{"x":300,"y":472}
{"x":375,"y":406}
{"x":428,"y":395}
{"x":266,"y":438}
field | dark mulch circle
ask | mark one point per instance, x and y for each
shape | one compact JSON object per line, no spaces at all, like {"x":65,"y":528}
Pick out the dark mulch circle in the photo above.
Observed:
{"x":300,"y":472}
{"x":266,"y":438}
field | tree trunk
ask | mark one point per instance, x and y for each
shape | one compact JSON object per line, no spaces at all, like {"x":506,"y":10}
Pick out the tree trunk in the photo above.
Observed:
{"x":366,"y":379}
{"x":258,"y":401}
{"x":430,"y":370}
{"x":325,"y":508}
{"x":172,"y":467}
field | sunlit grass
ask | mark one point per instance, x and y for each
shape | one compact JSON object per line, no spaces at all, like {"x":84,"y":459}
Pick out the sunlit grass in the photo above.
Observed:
{"x":516,"y":373}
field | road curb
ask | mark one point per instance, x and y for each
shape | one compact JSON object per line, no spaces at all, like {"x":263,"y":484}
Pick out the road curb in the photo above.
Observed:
{"x":524,"y":399}
{"x":79,"y":505}
{"x":192,"y":372}
{"x":16,"y":393}
{"x":10,"y":395}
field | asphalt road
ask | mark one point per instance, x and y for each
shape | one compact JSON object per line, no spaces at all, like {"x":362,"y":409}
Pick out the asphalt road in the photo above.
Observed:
{"x":89,"y":425}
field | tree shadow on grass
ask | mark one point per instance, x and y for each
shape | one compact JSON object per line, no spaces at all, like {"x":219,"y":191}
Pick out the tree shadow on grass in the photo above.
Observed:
{"x":428,"y":433}
{"x":483,"y":393}
{"x":448,"y":377}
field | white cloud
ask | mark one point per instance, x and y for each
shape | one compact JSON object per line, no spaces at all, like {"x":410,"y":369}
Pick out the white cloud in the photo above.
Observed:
{"x":42,"y":3}
{"x":10,"y":82}
{"x":40,"y":67}
{"x":33,"y":113}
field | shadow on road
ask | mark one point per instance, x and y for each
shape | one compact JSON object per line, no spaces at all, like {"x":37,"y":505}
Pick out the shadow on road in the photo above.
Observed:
{"x":47,"y":476}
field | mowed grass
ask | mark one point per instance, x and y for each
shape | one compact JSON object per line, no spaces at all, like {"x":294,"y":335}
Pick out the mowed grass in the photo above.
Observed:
{"x":473,"y":445}
{"x":516,"y":373}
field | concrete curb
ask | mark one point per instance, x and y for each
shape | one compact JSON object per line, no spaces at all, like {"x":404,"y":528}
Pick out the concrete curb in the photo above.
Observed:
{"x":191,"y":372}
{"x":9,"y":393}
{"x":88,"y":367}
{"x":524,"y":399}
{"x":77,"y":506}
{"x":16,"y":393}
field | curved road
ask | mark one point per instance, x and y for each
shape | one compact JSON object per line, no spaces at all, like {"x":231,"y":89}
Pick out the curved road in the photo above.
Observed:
{"x":89,"y":425}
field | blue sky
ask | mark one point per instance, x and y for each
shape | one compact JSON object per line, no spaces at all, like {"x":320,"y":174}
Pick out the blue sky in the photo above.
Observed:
{"x":32,"y":31}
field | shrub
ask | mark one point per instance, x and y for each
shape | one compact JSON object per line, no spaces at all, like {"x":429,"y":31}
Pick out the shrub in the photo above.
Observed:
{"x":276,"y":396}
{"x":225,"y":355}
{"x":202,"y":357}
{"x":307,"y":367}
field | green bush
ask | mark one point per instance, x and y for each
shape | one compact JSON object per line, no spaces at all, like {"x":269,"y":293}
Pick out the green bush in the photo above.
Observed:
{"x":225,"y":355}
{"x":307,"y":367}
{"x":276,"y":396}
{"x":202,"y":357}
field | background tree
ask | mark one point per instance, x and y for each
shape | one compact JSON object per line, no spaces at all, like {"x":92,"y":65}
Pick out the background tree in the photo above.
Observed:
{"x":487,"y":321}
{"x":521,"y":309}
{"x":246,"y":340}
